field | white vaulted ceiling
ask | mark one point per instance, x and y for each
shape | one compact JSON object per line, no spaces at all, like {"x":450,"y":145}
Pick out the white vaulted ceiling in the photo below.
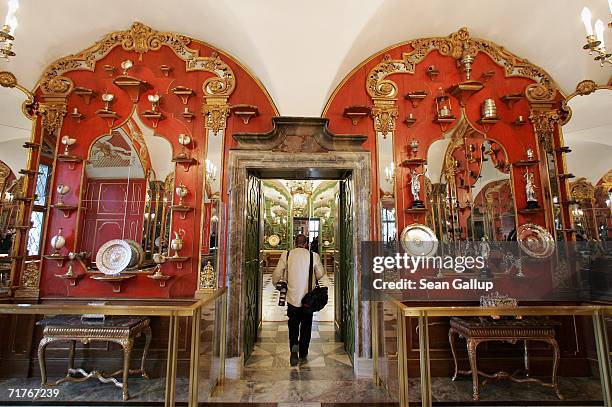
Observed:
{"x":301,"y":50}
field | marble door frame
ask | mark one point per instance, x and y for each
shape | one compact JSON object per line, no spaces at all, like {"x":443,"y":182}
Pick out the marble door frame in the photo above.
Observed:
{"x":242,"y":161}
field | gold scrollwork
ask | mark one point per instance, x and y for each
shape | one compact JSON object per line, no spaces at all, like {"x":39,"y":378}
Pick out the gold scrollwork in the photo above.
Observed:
{"x":582,"y":190}
{"x":216,"y":116}
{"x":457,"y":45}
{"x":30,"y":276}
{"x":140,"y":39}
{"x":52,"y":116}
{"x":544,"y":123}
{"x":384,"y":114}
{"x":207,"y":276}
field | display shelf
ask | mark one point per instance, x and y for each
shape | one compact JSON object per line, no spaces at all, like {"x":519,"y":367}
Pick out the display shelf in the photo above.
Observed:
{"x":116,"y":281}
{"x":416,"y":97}
{"x":464,"y":90}
{"x":518,"y":122}
{"x":154,"y":116}
{"x":530,"y":211}
{"x":108,"y":115}
{"x":413,"y":161}
{"x":110,"y":70}
{"x":85,"y":94}
{"x":72,"y":160}
{"x":160,"y":277}
{"x":33,"y":146}
{"x":77,"y":116}
{"x":184,"y":93}
{"x":185,"y":160}
{"x":432,"y":72}
{"x":410,"y":121}
{"x":415,"y":210}
{"x":510,"y":99}
{"x":59,"y":258}
{"x":70,"y":277}
{"x":245,"y":112}
{"x":165,"y":69}
{"x":29,"y":172}
{"x":188,"y":115}
{"x":182,"y":209}
{"x":65,"y":208}
{"x":356,"y":112}
{"x":132,"y":86}
{"x":489,"y":121}
{"x":564,"y":150}
{"x":179,"y":260}
{"x":567,"y":176}
{"x":526,"y":163}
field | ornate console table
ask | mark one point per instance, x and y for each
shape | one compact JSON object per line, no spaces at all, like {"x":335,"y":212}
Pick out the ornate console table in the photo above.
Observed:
{"x":118,"y":329}
{"x":477,"y":330}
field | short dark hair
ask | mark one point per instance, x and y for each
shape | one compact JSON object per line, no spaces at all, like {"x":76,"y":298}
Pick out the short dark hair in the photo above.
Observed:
{"x":301,"y":240}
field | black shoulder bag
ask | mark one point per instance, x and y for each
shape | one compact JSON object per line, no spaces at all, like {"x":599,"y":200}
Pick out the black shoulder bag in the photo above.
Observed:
{"x":316,"y":298}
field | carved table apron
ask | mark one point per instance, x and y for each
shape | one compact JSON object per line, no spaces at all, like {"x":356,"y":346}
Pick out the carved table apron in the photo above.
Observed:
{"x":121,"y":330}
{"x":476,"y":331}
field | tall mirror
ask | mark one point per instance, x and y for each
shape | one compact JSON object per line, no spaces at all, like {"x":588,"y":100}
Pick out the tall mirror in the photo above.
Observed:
{"x":386,"y":182}
{"x":128,"y":184}
{"x":212,"y":210}
{"x":587,"y":134}
{"x":471,"y":188}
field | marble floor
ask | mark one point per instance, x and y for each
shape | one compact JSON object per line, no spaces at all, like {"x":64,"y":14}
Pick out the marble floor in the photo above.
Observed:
{"x":272,"y":312}
{"x":327,"y":380}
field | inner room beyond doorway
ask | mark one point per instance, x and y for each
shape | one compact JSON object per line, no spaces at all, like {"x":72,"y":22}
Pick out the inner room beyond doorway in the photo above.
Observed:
{"x":292,"y":207}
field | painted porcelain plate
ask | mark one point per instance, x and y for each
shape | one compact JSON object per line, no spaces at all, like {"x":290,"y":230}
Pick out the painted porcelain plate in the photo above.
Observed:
{"x":419,"y":240}
{"x":274,"y":240}
{"x":113,"y":257}
{"x":535,"y":240}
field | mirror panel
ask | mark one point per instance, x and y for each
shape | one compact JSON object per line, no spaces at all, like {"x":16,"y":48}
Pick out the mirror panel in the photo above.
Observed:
{"x":128,"y":183}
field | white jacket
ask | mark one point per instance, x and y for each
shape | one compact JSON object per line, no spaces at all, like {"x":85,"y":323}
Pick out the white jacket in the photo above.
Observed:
{"x":297,"y":273}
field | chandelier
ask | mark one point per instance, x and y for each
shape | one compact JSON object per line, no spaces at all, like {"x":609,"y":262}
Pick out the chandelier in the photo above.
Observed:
{"x":595,"y":38}
{"x":300,"y":191}
{"x":7,"y":31}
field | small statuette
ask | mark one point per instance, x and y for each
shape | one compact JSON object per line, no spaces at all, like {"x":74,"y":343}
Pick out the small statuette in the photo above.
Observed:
{"x":58,"y":241}
{"x":415,"y":188}
{"x":107,"y":98}
{"x":62,"y":190}
{"x":532,"y":201}
{"x":67,"y":142}
{"x":177,"y":243}
{"x":181,"y":192}
{"x":414,"y":145}
{"x":126,"y":66}
{"x":530,"y":154}
{"x":154,"y":99}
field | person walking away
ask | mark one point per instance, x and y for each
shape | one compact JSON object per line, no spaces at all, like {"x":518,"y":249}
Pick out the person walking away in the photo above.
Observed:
{"x":294,"y":267}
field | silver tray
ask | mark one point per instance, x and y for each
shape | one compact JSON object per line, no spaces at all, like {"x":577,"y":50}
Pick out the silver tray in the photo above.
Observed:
{"x":113,"y":257}
{"x":419,"y":240}
{"x":535,"y":241}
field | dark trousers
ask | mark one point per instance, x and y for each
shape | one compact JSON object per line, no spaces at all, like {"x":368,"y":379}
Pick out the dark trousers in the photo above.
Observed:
{"x":300,"y":325}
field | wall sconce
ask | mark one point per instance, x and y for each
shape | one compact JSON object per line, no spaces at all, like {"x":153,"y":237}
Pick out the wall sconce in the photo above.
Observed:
{"x":595,"y":40}
{"x":390,"y":173}
{"x":7,"y":31}
{"x":211,"y":171}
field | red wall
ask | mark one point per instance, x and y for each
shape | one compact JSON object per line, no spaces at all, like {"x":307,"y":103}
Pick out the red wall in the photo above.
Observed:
{"x":247,"y":91}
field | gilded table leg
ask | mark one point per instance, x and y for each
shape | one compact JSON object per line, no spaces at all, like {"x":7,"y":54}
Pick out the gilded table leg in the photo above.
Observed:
{"x":451,"y":340}
{"x":127,"y":352}
{"x":145,"y":352}
{"x":42,"y":346}
{"x":471,"y":348}
{"x":71,"y":352}
{"x":555,"y":385}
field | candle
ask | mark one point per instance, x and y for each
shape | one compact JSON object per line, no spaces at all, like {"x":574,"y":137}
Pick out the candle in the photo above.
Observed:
{"x":586,"y":20}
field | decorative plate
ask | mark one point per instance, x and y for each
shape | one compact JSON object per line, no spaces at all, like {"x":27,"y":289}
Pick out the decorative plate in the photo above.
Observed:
{"x":273,"y":240}
{"x":535,"y":240}
{"x":140,"y":254}
{"x":113,"y":257}
{"x":419,"y":240}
